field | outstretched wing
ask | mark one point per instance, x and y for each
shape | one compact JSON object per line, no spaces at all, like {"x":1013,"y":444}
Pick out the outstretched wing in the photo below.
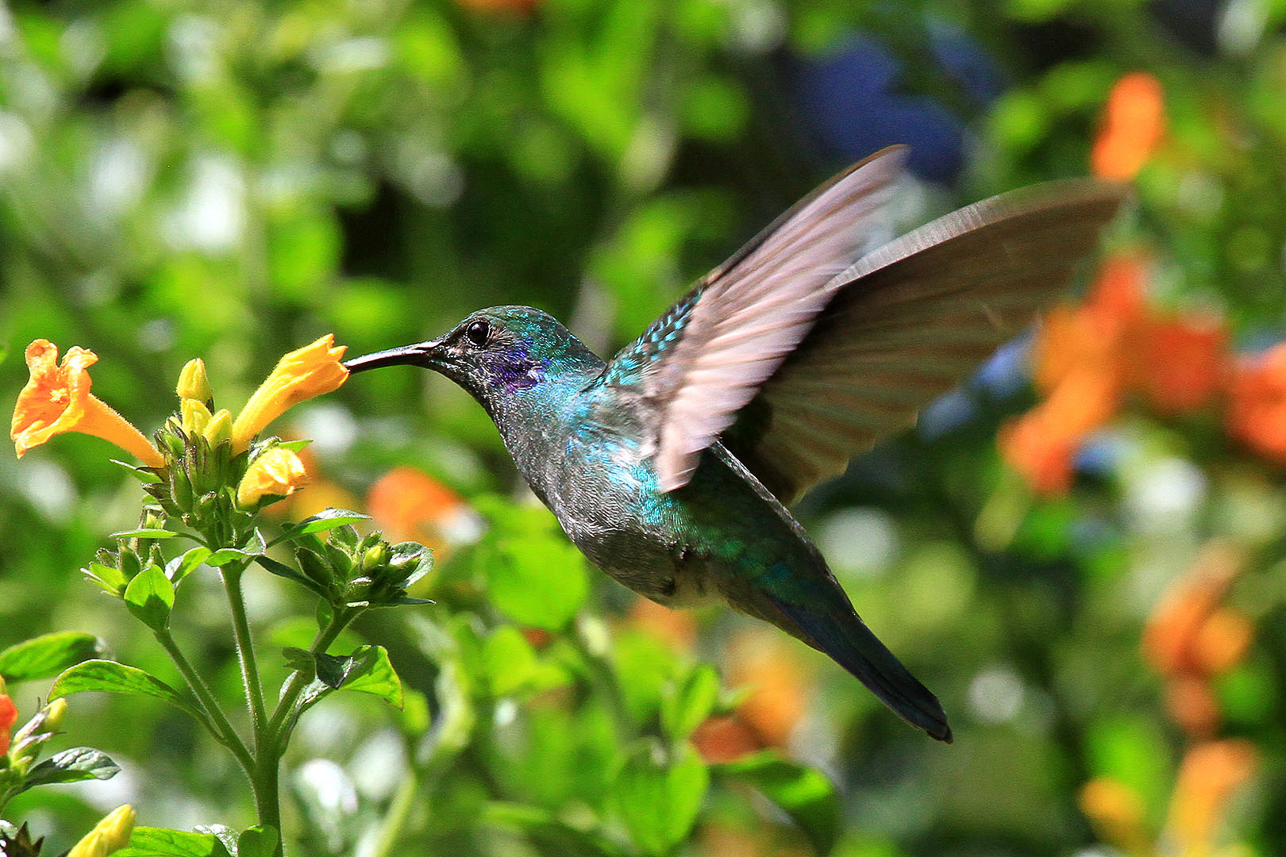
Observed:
{"x":909,"y":322}
{"x":705,"y":358}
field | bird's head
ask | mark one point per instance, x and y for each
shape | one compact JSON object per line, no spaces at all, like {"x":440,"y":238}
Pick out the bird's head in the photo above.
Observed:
{"x":494,"y":353}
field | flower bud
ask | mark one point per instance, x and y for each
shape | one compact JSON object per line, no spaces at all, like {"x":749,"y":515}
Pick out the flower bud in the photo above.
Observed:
{"x":277,"y":472}
{"x":196,"y":416}
{"x":375,"y":557}
{"x":111,"y":834}
{"x":54,"y":714}
{"x":194,"y":383}
{"x":219,"y":428}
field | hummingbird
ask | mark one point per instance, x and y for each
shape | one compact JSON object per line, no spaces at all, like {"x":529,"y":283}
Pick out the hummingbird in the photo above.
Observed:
{"x":672,"y":465}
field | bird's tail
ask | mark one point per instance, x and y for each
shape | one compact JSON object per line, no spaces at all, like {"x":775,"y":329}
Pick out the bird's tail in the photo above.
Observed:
{"x":855,"y":647}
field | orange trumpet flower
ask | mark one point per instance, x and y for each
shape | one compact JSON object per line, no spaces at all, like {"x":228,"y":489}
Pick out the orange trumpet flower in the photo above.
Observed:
{"x":57,"y":400}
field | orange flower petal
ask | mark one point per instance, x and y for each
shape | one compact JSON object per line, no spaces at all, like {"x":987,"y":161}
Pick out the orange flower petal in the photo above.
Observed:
{"x":8,"y":717}
{"x":1208,"y":776}
{"x":300,"y":375}
{"x":1117,"y":813}
{"x":1133,"y":125}
{"x":1257,"y":403}
{"x":56,"y":400}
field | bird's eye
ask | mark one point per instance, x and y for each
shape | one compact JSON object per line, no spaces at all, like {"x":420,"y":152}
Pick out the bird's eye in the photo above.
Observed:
{"x":478,"y":332}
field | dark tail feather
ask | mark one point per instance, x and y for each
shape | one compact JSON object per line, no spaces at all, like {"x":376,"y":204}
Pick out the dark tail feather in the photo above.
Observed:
{"x":854,"y":647}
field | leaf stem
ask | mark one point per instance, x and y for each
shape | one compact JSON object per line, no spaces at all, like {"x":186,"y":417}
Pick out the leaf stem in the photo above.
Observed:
{"x":212,"y":716}
{"x":277,"y":732}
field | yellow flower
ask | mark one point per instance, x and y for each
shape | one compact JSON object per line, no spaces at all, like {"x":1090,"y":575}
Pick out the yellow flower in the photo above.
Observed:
{"x":278,"y":472}
{"x":196,"y":416}
{"x":219,"y":428}
{"x":57,"y":400}
{"x":300,"y":375}
{"x":110,"y":834}
{"x":193,"y":382}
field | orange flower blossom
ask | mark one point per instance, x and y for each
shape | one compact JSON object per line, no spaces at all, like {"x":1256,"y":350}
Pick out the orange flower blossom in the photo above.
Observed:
{"x":1257,"y":403}
{"x":300,"y":375}
{"x":1133,"y":125}
{"x":57,"y":400}
{"x":8,"y":717}
{"x":1086,"y":358}
{"x":277,"y":472}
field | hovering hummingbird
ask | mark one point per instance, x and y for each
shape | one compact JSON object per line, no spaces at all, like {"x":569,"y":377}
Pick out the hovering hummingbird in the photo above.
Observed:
{"x":671,"y":466}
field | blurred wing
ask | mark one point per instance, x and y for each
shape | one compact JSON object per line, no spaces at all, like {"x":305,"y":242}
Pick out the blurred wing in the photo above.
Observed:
{"x":706,"y":357}
{"x":909,"y":322}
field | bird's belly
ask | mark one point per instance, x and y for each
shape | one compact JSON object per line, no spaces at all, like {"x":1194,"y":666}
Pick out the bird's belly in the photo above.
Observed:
{"x":636,"y":536}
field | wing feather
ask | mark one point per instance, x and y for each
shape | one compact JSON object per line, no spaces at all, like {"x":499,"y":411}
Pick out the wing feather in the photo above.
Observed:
{"x":910,"y":321}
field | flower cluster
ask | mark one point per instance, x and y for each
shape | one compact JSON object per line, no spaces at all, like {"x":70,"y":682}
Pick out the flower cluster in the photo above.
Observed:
{"x":200,"y":451}
{"x":349,"y":571}
{"x":1088,"y":358}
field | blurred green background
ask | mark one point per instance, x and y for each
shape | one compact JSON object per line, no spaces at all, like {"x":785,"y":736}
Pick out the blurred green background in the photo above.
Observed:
{"x":233,"y":179}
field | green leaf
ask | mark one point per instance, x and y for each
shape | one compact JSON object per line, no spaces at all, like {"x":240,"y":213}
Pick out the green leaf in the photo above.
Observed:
{"x":222,"y":557}
{"x":47,"y":655}
{"x":282,"y":570}
{"x":145,"y":533}
{"x":685,"y":708}
{"x":257,"y":841}
{"x":71,"y":766}
{"x":508,"y":660}
{"x":294,"y":445}
{"x":547,"y":832}
{"x":111,"y":677}
{"x":142,"y":474}
{"x":181,"y":566}
{"x":367,"y":670}
{"x":658,"y":802}
{"x":805,"y":794}
{"x":377,"y":677}
{"x":536,"y":580}
{"x":323,"y":520}
{"x":161,"y":842}
{"x":150,"y":597}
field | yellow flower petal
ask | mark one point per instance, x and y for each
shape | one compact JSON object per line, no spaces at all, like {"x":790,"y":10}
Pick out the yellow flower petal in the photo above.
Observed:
{"x":111,"y":834}
{"x":300,"y":375}
{"x":196,"y":416}
{"x":57,"y":400}
{"x":193,"y":382}
{"x":278,"y":472}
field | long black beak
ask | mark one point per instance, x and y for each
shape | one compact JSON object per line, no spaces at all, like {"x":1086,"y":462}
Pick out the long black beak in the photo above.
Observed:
{"x":420,"y":354}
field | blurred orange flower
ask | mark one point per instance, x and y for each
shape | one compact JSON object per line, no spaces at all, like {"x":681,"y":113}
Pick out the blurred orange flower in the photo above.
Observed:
{"x":725,"y":739}
{"x":57,"y":400}
{"x":1208,"y":777}
{"x":780,"y":683}
{"x":1257,"y":403}
{"x":676,"y":627}
{"x":8,"y":717}
{"x":408,"y":504}
{"x":1133,"y":125}
{"x":1116,"y":811}
{"x":1086,"y":358}
{"x":300,"y":375}
{"x":1192,"y":635}
{"x":1180,"y":362}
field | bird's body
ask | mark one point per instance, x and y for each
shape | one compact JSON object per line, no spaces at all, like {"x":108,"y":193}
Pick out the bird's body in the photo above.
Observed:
{"x":670,"y":466}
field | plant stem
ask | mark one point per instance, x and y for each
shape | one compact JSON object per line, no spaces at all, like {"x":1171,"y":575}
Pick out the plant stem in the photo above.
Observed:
{"x":212,"y":716}
{"x":399,"y":812}
{"x":231,"y":575}
{"x":277,"y":730}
